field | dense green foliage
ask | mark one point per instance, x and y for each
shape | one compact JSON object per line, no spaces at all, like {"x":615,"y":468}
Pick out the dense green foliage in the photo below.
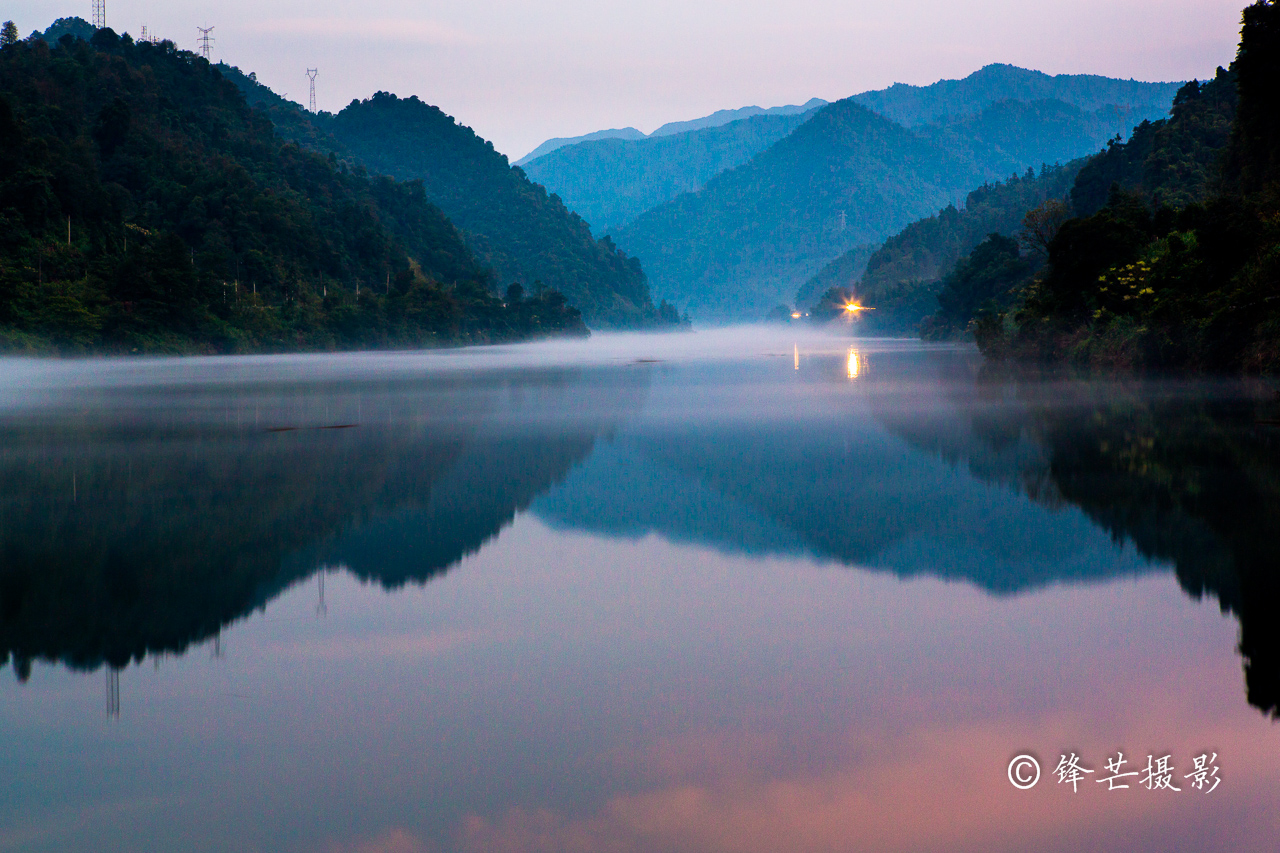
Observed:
{"x":752,"y":236}
{"x":983,"y":281}
{"x":920,"y":105}
{"x":610,"y":182}
{"x":1172,"y":162}
{"x":1181,"y":265}
{"x":145,"y":206}
{"x":512,"y":225}
{"x":73,"y":26}
{"x":903,"y":277}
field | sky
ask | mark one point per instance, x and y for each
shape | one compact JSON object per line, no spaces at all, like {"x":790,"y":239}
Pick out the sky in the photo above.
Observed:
{"x":520,"y":72}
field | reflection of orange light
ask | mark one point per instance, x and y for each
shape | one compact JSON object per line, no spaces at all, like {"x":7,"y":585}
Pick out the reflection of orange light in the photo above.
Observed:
{"x":856,"y":364}
{"x":795,"y":315}
{"x":853,"y":307}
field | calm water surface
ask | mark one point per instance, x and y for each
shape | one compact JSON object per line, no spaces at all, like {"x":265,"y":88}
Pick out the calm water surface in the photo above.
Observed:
{"x":731,"y":591}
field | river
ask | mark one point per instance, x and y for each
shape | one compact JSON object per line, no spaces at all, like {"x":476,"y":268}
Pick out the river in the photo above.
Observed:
{"x":737,"y":590}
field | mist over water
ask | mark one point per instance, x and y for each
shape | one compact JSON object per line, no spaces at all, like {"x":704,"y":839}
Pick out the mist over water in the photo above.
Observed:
{"x":743,"y":589}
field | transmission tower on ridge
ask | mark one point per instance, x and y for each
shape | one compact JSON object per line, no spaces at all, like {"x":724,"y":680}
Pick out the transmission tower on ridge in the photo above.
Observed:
{"x":311,"y":74}
{"x":204,"y":40}
{"x":99,"y":13}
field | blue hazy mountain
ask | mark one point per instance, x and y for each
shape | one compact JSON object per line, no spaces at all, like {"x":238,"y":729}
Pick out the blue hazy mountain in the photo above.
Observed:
{"x":610,"y":182}
{"x":720,"y":117}
{"x":918,"y":105}
{"x":848,"y":176}
{"x":561,"y":141}
{"x":716,"y":119}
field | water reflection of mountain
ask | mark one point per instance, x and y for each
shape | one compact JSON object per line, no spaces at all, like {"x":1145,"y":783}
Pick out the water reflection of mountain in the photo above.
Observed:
{"x":947,"y":471}
{"x":145,"y":522}
{"x":833,"y":483}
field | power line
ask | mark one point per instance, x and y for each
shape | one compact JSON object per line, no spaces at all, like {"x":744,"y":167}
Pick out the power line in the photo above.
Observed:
{"x":204,"y":40}
{"x":311,"y":74}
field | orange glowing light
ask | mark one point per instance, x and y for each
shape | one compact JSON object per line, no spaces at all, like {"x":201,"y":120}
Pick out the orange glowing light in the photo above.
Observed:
{"x":856,"y":364}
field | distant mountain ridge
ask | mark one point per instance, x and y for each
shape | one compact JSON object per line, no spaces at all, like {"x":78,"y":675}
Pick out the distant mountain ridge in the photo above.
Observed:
{"x":716,"y":119}
{"x":913,"y":106}
{"x":733,"y":254}
{"x":610,"y":182}
{"x":748,"y":239}
{"x":561,"y":141}
{"x":722,"y":117}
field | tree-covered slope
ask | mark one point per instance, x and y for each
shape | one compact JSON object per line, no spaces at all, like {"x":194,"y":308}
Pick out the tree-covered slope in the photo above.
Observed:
{"x":1180,"y":265}
{"x":1174,"y":162}
{"x":145,"y":205}
{"x":1167,"y":162}
{"x":919,"y":105}
{"x":903,"y":277}
{"x":847,"y":177}
{"x":610,"y":182}
{"x":512,"y":224}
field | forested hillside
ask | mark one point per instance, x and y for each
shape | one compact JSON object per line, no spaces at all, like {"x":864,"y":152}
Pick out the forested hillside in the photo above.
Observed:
{"x":610,"y":182}
{"x":1179,"y":266}
{"x":145,"y":206}
{"x":512,"y":224}
{"x":1174,"y":162}
{"x":752,"y":236}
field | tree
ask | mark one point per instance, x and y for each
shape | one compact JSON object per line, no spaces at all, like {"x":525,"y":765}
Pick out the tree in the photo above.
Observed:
{"x":9,"y":34}
{"x":1042,"y":224}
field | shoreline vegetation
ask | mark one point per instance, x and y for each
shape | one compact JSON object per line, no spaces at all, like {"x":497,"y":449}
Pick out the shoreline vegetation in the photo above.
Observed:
{"x":146,"y":206}
{"x":1163,"y":255}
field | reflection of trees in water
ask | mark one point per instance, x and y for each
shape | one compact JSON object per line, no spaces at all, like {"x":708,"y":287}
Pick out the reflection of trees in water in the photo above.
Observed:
{"x":1188,"y":472}
{"x":149,"y":526}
